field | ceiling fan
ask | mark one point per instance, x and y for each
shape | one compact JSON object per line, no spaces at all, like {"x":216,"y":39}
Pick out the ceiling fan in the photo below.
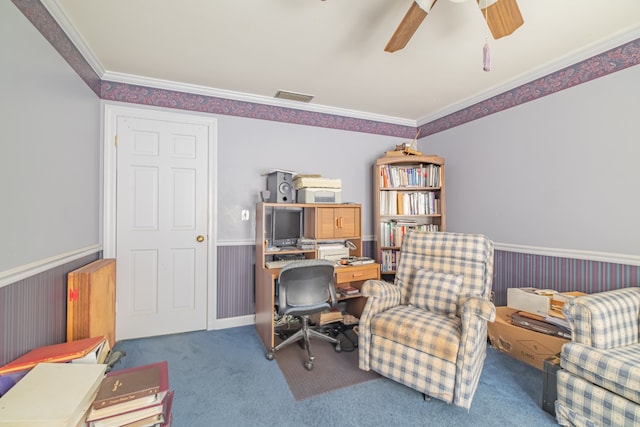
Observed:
{"x":503,"y":18}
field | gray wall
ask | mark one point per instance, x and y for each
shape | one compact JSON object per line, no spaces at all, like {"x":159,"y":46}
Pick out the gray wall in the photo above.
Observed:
{"x":249,"y":148}
{"x":559,"y":172}
{"x":49,"y":151}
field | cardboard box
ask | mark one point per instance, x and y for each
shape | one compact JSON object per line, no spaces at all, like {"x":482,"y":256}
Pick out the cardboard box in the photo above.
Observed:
{"x":528,"y":346}
{"x":531,"y":300}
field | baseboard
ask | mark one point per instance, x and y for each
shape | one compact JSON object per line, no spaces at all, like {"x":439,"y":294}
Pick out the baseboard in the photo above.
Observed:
{"x":232,"y":322}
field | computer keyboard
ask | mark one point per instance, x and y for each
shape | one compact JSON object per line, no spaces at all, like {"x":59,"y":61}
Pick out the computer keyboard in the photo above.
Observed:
{"x":279,"y":264}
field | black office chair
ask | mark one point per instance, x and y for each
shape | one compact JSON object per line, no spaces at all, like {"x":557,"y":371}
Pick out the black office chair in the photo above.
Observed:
{"x":305,"y":287}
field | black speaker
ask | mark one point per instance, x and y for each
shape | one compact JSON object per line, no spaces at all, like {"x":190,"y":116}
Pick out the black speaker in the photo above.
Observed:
{"x":280,"y":185}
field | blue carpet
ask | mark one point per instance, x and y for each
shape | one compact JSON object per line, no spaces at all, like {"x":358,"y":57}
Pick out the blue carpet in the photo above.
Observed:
{"x":222,"y":378}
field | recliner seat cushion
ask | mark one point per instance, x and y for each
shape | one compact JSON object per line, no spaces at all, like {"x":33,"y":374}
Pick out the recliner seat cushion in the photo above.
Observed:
{"x":422,"y":330}
{"x":615,"y":369}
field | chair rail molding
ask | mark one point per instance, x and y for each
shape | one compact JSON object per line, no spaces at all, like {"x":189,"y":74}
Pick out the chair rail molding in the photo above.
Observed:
{"x":614,"y":258}
{"x":13,"y":275}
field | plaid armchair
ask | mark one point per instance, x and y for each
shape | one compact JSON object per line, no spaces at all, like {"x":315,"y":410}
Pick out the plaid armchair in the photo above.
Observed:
{"x":428,"y":330}
{"x":599,"y":383}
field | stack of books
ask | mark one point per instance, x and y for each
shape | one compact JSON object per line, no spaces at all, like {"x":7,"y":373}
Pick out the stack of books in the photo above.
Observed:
{"x":138,"y":396}
{"x":553,"y":321}
{"x":356,"y":260}
{"x":349,"y":291}
{"x":326,"y":317}
{"x":540,"y":324}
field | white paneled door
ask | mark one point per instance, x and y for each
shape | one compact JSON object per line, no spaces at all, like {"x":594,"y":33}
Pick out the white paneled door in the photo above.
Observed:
{"x":161,"y":237}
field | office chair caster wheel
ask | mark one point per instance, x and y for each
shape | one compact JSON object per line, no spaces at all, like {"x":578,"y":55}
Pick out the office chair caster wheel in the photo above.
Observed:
{"x":338,"y":348}
{"x":308,"y":365}
{"x":270,"y":354}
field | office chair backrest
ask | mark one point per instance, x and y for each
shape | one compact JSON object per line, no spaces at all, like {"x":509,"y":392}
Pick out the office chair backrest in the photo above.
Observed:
{"x":306,"y":287}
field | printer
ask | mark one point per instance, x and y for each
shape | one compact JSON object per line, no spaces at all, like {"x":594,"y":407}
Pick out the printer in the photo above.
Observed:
{"x":315,"y":189}
{"x":332,"y":252}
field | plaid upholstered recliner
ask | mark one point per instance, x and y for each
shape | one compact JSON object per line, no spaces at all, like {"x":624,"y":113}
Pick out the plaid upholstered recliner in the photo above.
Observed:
{"x":428,"y":330}
{"x":599,"y":383}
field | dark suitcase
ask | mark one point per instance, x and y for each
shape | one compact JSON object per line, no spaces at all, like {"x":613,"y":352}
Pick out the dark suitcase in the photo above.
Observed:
{"x":549,"y":388}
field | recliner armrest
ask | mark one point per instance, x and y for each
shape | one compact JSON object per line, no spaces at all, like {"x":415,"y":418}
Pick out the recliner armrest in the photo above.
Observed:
{"x":479,"y":307}
{"x":380,"y":289}
{"x":381,"y":296}
{"x":606,"y":319}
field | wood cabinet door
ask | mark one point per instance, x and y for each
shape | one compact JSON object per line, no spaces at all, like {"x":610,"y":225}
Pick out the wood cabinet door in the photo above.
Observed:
{"x":334,"y":223}
{"x":325,"y":223}
{"x":347,"y":222}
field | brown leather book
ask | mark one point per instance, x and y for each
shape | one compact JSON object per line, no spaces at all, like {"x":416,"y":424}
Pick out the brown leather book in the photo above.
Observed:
{"x":132,"y":383}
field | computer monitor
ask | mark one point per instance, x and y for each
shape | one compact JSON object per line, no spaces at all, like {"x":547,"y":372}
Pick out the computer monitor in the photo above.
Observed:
{"x":286,"y":226}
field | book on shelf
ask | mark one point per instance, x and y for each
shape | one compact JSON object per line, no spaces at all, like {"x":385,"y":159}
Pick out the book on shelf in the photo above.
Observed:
{"x":87,"y":350}
{"x":52,"y":395}
{"x":131,"y":383}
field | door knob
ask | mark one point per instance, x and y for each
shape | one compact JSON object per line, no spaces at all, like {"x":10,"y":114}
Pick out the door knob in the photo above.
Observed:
{"x":200,"y":238}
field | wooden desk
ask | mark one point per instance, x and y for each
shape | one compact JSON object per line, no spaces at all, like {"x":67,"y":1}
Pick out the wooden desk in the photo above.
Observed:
{"x":353,"y":275}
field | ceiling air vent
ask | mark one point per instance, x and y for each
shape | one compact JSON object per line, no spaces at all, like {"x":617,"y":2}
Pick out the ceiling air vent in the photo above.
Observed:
{"x":292,"y":96}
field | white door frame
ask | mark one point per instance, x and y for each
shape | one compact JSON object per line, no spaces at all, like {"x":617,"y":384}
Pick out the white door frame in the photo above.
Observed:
{"x":111,"y":112}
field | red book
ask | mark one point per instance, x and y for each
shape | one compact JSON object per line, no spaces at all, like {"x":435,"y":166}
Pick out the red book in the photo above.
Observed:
{"x":63,"y":352}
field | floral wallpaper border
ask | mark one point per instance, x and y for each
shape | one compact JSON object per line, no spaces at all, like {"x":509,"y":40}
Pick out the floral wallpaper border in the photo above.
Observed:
{"x":608,"y":62}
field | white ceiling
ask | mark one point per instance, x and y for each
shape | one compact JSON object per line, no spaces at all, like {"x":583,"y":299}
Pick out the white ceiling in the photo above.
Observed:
{"x":333,"y":49}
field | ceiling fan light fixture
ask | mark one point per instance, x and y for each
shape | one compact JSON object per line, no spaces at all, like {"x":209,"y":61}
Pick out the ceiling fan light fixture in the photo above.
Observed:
{"x":293,"y":96}
{"x":425,"y":5}
{"x":484,"y":3}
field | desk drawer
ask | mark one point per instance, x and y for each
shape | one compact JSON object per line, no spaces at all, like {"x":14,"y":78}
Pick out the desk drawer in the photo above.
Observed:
{"x":354,"y":274}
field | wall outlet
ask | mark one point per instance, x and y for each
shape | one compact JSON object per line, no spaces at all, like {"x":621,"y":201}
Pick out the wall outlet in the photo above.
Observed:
{"x":244,"y":215}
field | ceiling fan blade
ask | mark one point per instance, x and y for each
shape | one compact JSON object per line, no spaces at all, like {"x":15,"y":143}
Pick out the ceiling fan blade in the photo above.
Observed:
{"x":409,"y":24}
{"x":503,"y":17}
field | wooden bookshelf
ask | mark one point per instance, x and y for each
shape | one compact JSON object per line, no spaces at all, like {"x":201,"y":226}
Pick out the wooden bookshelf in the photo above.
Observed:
{"x":409,"y":193}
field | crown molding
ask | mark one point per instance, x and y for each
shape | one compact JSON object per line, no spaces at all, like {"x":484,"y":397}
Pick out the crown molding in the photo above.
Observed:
{"x":246,"y":97}
{"x":624,"y":36}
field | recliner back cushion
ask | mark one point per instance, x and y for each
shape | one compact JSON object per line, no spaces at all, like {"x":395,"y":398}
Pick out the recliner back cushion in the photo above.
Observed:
{"x":467,"y":255}
{"x":436,"y":292}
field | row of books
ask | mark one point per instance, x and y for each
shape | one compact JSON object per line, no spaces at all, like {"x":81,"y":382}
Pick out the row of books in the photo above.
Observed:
{"x":388,"y":260}
{"x":392,"y":232}
{"x":422,"y":175}
{"x":409,"y":203}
